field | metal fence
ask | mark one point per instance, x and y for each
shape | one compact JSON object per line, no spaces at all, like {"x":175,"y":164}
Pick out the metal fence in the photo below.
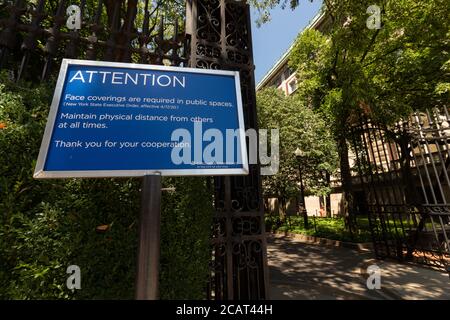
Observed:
{"x":221,"y":39}
{"x":35,"y":35}
{"x":404,"y":173}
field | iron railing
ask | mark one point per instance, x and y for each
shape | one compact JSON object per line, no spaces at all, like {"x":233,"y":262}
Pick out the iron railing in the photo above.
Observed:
{"x":34,"y":36}
{"x":404,"y":172}
{"x":221,"y":39}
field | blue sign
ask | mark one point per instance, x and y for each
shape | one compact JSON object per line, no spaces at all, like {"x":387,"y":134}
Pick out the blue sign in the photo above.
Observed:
{"x":116,"y":120}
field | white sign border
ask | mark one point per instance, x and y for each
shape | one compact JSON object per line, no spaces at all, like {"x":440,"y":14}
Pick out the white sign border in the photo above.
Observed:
{"x":39,"y":172}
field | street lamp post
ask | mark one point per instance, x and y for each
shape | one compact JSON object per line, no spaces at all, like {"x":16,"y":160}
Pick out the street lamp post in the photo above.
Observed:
{"x":299,"y":154}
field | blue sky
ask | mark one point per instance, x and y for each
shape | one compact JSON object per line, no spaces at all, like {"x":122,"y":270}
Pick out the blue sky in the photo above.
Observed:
{"x":271,"y":40}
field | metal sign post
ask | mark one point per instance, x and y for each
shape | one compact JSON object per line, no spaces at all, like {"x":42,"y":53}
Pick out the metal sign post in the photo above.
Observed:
{"x":147,"y":279}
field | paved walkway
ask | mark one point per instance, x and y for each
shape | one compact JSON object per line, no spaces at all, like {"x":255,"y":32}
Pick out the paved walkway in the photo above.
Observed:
{"x":300,"y":270}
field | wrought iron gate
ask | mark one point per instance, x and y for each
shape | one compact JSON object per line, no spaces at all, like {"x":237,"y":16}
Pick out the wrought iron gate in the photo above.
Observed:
{"x":34,"y":38}
{"x":404,"y":172}
{"x":220,"y":38}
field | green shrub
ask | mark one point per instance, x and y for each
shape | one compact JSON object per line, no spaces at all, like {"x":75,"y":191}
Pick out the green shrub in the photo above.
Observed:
{"x":47,"y":225}
{"x":186,"y":224}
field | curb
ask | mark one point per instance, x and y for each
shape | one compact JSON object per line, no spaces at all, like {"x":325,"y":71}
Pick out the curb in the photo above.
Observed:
{"x":366,"y":246}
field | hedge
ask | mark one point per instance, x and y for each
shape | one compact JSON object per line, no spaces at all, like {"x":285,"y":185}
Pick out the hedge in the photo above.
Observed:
{"x":48,"y":225}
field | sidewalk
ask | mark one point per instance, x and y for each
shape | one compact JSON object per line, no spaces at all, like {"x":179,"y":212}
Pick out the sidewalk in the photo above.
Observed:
{"x":302,"y":270}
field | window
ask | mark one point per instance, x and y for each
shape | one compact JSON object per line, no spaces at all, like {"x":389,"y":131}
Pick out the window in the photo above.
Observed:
{"x":287,"y":73}
{"x":277,"y":82}
{"x":292,"y":86}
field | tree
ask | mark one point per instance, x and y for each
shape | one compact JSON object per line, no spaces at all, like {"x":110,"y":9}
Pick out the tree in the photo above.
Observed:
{"x":402,"y":66}
{"x":384,"y":73}
{"x":300,"y":128}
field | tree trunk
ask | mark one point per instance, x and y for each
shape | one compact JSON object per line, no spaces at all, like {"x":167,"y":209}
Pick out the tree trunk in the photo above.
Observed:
{"x":283,"y":207}
{"x":347,"y":188}
{"x":328,"y":196}
{"x":124,"y":30}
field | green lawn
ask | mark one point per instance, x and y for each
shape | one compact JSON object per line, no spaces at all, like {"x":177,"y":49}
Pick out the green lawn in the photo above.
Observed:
{"x":333,"y":228}
{"x":329,"y":228}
